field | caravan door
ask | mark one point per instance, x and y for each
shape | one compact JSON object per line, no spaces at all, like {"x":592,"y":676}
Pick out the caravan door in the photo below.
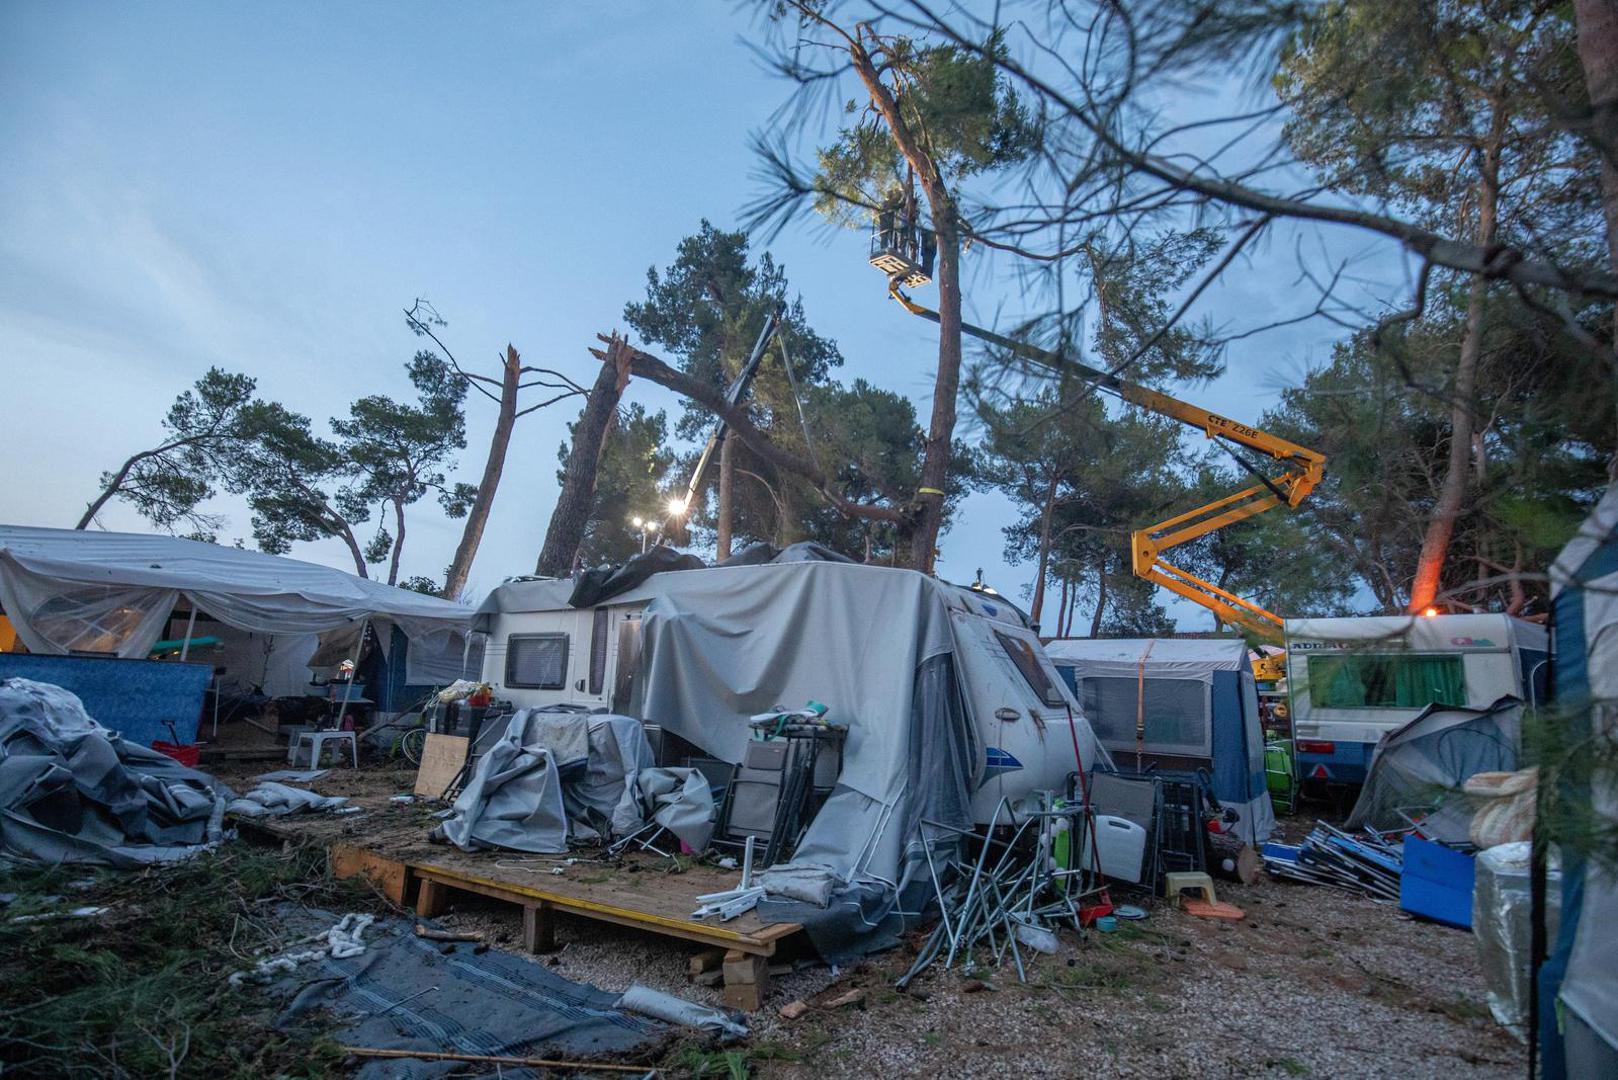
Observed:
{"x":1020,"y":710}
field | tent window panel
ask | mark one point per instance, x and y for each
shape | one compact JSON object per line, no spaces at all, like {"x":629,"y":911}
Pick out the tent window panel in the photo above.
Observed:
{"x":536,"y":661}
{"x":1176,"y":712}
{"x":1033,"y":672}
{"x":598,"y":651}
{"x":1386,"y":682}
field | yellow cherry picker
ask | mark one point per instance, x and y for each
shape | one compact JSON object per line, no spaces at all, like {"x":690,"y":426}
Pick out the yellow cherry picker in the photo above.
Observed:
{"x":903,"y":252}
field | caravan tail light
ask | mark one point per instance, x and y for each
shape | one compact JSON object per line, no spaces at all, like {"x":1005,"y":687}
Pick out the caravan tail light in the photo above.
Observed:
{"x":1310,"y":746}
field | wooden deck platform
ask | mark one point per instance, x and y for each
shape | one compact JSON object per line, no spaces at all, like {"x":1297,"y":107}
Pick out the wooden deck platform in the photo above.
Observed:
{"x":388,"y":844}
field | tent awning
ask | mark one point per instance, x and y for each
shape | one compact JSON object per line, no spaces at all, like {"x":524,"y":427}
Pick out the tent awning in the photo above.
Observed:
{"x":67,"y":590}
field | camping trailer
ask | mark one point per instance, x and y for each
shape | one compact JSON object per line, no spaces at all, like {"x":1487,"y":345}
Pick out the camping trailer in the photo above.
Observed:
{"x":1353,"y":680}
{"x":1196,"y":702}
{"x":893,"y":654}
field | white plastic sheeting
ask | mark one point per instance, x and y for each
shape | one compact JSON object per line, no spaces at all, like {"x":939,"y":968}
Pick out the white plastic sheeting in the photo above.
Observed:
{"x":70,"y":591}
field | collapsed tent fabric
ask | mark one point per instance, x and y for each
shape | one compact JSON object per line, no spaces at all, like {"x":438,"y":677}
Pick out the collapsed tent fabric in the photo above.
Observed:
{"x":1417,"y":771}
{"x":1578,"y":984}
{"x":67,"y":590}
{"x":1199,"y":703}
{"x":556,"y":775}
{"x":72,"y":791}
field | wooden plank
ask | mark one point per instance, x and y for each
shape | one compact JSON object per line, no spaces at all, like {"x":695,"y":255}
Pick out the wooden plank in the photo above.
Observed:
{"x":441,"y":759}
{"x":386,"y":874}
{"x":432,"y":900}
{"x":706,"y":933}
{"x":539,"y":927}
{"x":706,"y":960}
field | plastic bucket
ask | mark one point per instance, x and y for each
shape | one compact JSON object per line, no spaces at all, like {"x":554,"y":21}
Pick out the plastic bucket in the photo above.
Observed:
{"x":187,"y":754}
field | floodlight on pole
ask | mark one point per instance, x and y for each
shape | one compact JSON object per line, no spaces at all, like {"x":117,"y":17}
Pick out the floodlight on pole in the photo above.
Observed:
{"x":677,"y":507}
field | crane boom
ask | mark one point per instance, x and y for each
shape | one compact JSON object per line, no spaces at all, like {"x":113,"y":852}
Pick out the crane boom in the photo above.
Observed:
{"x":1301,"y":469}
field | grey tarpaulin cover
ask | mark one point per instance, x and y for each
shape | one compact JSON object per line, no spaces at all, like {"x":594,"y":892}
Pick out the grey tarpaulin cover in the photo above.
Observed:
{"x":1421,"y":766}
{"x":72,"y":791}
{"x":408,"y":993}
{"x":560,"y":774}
{"x":878,"y":647}
{"x":67,"y":590}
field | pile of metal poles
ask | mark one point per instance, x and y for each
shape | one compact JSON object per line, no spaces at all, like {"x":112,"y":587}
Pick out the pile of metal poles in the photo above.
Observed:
{"x":1370,"y":862}
{"x":1014,"y":894}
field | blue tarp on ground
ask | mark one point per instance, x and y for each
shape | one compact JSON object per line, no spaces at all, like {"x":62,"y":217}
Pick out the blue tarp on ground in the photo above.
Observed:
{"x":406,"y":992}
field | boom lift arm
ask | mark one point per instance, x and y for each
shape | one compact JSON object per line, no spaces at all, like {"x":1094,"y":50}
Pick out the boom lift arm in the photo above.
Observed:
{"x":1301,"y":470}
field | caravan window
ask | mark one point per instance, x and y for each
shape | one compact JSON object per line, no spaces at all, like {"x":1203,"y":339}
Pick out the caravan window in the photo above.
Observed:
{"x":536,"y":661}
{"x":1175,"y":712}
{"x":1022,"y":654}
{"x":1385,"y":682}
{"x":598,"y":651}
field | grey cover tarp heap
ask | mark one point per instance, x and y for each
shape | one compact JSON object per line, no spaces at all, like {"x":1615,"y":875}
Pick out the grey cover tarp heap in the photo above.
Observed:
{"x":556,"y":775}
{"x":73,"y":792}
{"x":67,"y":590}
{"x":408,"y":993}
{"x":1417,"y":770}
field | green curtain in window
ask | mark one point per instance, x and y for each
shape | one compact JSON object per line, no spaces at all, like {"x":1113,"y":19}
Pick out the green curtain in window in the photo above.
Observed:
{"x":1386,"y":682}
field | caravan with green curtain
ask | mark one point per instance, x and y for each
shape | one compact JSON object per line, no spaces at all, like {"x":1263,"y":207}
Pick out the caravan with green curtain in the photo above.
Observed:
{"x":1352,"y":680}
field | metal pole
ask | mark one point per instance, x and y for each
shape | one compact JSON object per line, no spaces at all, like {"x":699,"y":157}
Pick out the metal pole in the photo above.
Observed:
{"x":191,"y":624}
{"x":348,"y":688}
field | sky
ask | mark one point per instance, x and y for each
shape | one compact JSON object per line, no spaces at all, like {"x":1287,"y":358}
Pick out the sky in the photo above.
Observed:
{"x":264,"y":187}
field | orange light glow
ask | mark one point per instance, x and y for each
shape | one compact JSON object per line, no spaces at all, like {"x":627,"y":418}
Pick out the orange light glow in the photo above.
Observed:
{"x":1429,"y":612}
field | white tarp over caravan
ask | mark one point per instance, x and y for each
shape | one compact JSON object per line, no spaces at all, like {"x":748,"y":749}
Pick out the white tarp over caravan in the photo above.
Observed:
{"x":1199,"y":705}
{"x":67,"y":590}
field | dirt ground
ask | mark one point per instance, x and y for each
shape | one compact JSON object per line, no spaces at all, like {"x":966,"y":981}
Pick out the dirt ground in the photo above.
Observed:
{"x":1312,"y":982}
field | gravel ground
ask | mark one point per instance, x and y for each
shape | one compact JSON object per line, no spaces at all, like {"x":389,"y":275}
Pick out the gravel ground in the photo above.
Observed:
{"x":1313,"y":982}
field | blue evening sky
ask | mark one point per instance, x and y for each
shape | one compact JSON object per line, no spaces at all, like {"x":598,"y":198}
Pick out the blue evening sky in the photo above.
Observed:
{"x":263,"y":187}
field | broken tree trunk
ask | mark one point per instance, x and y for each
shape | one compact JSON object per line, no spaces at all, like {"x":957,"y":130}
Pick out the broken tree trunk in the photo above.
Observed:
{"x":478,"y":516}
{"x":574,"y":504}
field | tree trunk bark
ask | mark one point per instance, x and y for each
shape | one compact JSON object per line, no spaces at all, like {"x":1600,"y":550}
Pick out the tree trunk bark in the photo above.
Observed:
{"x":1038,"y":605}
{"x":577,"y":498}
{"x":1452,"y":492}
{"x":1061,"y":609}
{"x":347,"y":536}
{"x":727,"y":481}
{"x":1597,"y":22}
{"x":116,"y":485}
{"x":1101,"y":599}
{"x":398,"y":541}
{"x":941,"y":429}
{"x":946,"y":386}
{"x":478,"y":517}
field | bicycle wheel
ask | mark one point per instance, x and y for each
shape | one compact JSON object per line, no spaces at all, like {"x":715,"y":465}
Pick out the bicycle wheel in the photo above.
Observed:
{"x":411,"y":744}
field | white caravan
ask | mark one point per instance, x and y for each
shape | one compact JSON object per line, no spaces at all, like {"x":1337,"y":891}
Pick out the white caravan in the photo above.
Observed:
{"x":1353,"y":680}
{"x":926,"y":675}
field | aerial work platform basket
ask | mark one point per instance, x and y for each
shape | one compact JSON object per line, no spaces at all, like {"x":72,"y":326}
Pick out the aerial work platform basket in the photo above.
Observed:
{"x":902,"y":249}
